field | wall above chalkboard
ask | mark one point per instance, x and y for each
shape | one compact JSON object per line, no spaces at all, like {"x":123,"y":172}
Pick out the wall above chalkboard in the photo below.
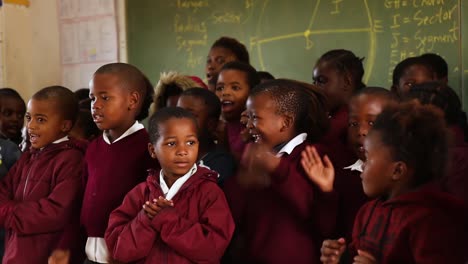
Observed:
{"x":286,"y":37}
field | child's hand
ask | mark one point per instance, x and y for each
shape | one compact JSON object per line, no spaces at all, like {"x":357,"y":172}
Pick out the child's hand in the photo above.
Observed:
{"x":245,"y":135}
{"x":320,"y":173}
{"x":257,"y":165}
{"x":364,"y":257}
{"x":332,"y":250}
{"x":59,"y":257}
{"x":153,"y":208}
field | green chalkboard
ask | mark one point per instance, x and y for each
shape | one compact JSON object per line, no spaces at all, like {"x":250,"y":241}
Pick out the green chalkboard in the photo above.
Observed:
{"x":286,"y":37}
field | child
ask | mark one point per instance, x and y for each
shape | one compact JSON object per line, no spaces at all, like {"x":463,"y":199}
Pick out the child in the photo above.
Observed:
{"x":12,"y":109}
{"x":364,"y":108}
{"x":41,"y":193}
{"x":116,"y":161}
{"x":85,"y":129}
{"x":410,"y":220}
{"x":272,"y":201}
{"x":445,"y":98}
{"x":235,"y":81}
{"x":224,"y":50}
{"x":339,"y":74}
{"x":185,"y":216}
{"x":265,"y":76}
{"x":206,"y":108}
{"x":409,"y":72}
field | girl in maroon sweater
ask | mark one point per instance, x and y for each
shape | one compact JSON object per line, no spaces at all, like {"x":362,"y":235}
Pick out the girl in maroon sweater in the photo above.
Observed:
{"x":272,"y":200}
{"x":185,"y":217}
{"x":410,"y":220}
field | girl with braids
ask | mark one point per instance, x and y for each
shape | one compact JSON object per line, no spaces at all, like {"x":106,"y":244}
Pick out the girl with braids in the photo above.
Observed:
{"x":281,"y":214}
{"x":339,"y":74}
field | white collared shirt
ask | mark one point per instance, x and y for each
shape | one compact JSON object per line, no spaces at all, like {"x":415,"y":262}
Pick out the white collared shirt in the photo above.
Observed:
{"x":134,"y":128}
{"x":96,"y":248}
{"x":65,"y":138}
{"x":169,"y":193}
{"x":357,"y":166}
{"x":292,"y":144}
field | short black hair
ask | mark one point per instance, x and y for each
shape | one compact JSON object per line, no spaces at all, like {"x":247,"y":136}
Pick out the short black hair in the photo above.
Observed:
{"x":403,"y":65}
{"x":83,"y":98}
{"x":445,"y":98}
{"x":209,"y":98}
{"x":438,"y":64}
{"x":345,"y":61}
{"x":11,"y":93}
{"x":66,"y":100}
{"x":252,"y":76}
{"x":416,"y":135}
{"x":133,"y":79}
{"x":304,"y":101}
{"x":232,"y":44}
{"x":378,"y":92}
{"x":165,"y":114}
{"x":264,"y":75}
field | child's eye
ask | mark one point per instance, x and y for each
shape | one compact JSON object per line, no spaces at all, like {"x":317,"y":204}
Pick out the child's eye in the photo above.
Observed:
{"x":219,"y":88}
{"x":371,"y":123}
{"x":92,"y":98}
{"x":191,"y":142}
{"x":41,"y":120}
{"x":353,"y":124}
{"x":236,"y":88}
{"x":7,"y":113}
{"x":170,"y":144}
{"x":220,"y":60}
{"x":28,"y":118}
{"x":105,"y":98}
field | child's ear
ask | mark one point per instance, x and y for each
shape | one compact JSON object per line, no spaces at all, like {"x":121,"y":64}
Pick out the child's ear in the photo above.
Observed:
{"x":288,"y":122}
{"x":348,"y":82}
{"x":152,"y":151}
{"x":400,"y":170}
{"x":134,"y":99}
{"x":66,"y":126}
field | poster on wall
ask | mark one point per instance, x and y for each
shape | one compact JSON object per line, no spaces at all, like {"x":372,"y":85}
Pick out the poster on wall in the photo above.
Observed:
{"x":88,"y":39}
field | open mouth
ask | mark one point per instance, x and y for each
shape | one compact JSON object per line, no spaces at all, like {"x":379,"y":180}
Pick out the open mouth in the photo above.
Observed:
{"x":227,"y":105}
{"x":97,"y":118}
{"x":33,"y":138}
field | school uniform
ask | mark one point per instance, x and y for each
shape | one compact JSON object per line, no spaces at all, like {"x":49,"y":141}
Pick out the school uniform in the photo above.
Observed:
{"x":196,"y":230}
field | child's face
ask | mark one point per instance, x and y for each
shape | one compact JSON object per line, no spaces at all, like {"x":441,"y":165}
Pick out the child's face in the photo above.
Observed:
{"x":363,"y":110}
{"x":232,"y":89}
{"x":415,"y":74}
{"x":264,"y":124}
{"x":177,"y":146}
{"x":377,"y":176}
{"x":198,"y":108}
{"x":332,"y":83}
{"x":111,"y":104}
{"x":11,"y":116}
{"x":44,"y":123}
{"x":217,"y":57}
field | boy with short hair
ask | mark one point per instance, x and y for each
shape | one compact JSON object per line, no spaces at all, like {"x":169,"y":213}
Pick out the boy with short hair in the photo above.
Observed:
{"x":42,"y":190}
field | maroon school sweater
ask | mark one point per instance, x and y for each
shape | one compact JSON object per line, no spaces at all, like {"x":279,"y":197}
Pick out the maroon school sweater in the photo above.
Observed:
{"x":421,"y":226}
{"x":287,"y":221}
{"x":112,"y":171}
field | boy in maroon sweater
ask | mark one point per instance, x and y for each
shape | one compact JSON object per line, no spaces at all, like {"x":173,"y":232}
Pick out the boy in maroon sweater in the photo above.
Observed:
{"x":410,"y":220}
{"x":185,"y":217}
{"x":280,"y":214}
{"x":41,"y":193}
{"x":116,"y":161}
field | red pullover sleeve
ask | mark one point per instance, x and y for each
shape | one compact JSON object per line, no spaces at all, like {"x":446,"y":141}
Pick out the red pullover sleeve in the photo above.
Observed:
{"x":6,"y":195}
{"x":129,"y":235}
{"x":51,"y":213}
{"x":204,"y":241}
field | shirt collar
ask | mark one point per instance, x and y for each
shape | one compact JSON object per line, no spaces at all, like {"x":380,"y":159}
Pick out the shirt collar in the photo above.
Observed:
{"x":292,"y":144}
{"x":65,"y":138}
{"x":169,"y":193}
{"x":134,"y":128}
{"x":357,"y":166}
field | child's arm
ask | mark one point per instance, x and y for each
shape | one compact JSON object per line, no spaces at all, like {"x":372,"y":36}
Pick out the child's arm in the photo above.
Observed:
{"x":204,"y":241}
{"x":129,"y":235}
{"x":52,"y":212}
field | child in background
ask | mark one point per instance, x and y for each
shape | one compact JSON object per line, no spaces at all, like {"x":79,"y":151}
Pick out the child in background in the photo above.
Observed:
{"x":409,"y":72}
{"x":12,"y":109}
{"x":206,"y":108}
{"x":235,"y":81}
{"x":272,"y":201}
{"x":40,"y":196}
{"x":445,"y":98}
{"x":84,"y":129}
{"x":118,"y":160}
{"x":410,"y":220}
{"x":438,"y":65}
{"x":224,"y":50}
{"x":364,"y":108}
{"x":339,"y":74}
{"x":185,"y":217}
